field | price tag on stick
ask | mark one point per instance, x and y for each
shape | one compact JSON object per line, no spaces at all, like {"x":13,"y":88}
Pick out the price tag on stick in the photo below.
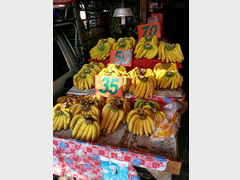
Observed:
{"x":151,"y":29}
{"x":121,"y":57}
{"x":109,"y":86}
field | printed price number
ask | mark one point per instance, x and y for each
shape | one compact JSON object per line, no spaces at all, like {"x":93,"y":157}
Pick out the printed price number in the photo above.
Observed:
{"x":151,"y":29}
{"x":109,"y":86}
{"x":121,"y":57}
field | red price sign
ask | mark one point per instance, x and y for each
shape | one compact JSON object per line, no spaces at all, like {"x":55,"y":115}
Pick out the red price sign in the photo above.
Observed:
{"x":151,"y":29}
{"x":109,"y":86}
{"x":121,"y":57}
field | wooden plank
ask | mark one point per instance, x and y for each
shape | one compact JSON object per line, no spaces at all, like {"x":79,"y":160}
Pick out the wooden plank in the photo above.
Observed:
{"x":143,"y":12}
{"x":160,"y":175}
{"x":173,"y":167}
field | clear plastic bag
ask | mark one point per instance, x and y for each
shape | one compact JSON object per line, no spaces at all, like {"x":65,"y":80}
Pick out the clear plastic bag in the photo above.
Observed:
{"x":167,"y":127}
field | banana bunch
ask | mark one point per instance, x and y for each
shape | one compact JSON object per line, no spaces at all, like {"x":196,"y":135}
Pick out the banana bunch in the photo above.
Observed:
{"x":143,"y":82}
{"x":170,"y":52}
{"x":85,"y":128}
{"x":141,"y":71}
{"x":126,"y":82}
{"x":146,"y":50}
{"x":118,"y":69}
{"x":108,"y":72}
{"x":168,"y":79}
{"x":97,"y":100}
{"x":95,"y":65}
{"x":143,"y":87}
{"x":114,"y":112}
{"x":164,"y":66}
{"x":108,"y":40}
{"x":140,"y":122}
{"x":122,"y":44}
{"x":143,"y":103}
{"x":100,"y":51}
{"x":151,"y":39}
{"x":131,"y":40}
{"x":121,"y":103}
{"x":61,"y":118}
{"x":69,"y":98}
{"x":83,"y":81}
{"x":86,"y":108}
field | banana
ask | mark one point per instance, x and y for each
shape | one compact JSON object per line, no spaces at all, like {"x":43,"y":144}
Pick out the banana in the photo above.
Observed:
{"x":136,"y":104}
{"x":135,"y":128}
{"x":94,"y":133}
{"x":143,"y":89}
{"x":61,"y":123}
{"x":90,"y":132}
{"x":140,"y":127}
{"x":145,"y":130}
{"x":149,"y":127}
{"x":151,"y":121}
{"x":85,"y":133}
{"x":56,"y":124}
{"x":74,"y":120}
{"x":98,"y":130}
{"x":109,"y":118}
{"x":112,"y":122}
{"x":81,"y":130}
{"x":105,"y":114}
{"x":120,"y":117}
{"x":130,"y":114}
{"x":77,"y":127}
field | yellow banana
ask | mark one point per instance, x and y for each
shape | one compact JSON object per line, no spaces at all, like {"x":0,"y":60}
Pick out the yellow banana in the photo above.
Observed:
{"x":119,"y":119}
{"x":112,"y":122}
{"x":81,"y":130}
{"x":85,"y":133}
{"x":77,"y":127}
{"x":90,"y":132}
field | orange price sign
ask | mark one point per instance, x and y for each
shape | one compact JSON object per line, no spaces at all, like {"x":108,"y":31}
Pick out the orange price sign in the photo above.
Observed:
{"x":121,"y":57}
{"x":109,"y":86}
{"x":151,"y":29}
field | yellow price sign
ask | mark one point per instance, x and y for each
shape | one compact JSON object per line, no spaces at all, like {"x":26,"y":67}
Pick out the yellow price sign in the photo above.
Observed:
{"x":109,"y":86}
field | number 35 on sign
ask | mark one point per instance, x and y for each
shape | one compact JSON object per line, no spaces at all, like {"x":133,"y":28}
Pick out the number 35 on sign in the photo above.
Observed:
{"x":109,"y":86}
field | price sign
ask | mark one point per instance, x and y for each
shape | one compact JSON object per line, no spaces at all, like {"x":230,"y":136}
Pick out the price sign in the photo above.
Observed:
{"x":109,"y":86}
{"x":121,"y":57}
{"x":151,"y":29}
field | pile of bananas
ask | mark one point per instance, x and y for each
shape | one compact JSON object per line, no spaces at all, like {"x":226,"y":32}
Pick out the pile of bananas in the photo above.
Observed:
{"x":101,"y":50}
{"x":114,"y":112}
{"x":124,"y":43}
{"x":143,"y":82}
{"x":140,"y":122}
{"x":86,"y":107}
{"x":170,"y":52}
{"x":85,"y":128}
{"x":165,"y":66}
{"x":85,"y":78}
{"x":61,"y":118}
{"x":147,"y":47}
{"x":68,"y":100}
{"x":167,"y":79}
{"x":97,"y":100}
{"x":143,"y":103}
{"x":117,"y":70}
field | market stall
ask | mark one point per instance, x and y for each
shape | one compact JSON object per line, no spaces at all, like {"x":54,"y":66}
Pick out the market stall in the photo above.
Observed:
{"x":124,"y":110}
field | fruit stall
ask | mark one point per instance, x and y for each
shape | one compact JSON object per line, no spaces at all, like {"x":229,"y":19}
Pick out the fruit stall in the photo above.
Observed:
{"x":123,"y":111}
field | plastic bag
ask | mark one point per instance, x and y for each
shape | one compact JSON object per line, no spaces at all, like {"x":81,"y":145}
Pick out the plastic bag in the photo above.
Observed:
{"x":168,"y":126}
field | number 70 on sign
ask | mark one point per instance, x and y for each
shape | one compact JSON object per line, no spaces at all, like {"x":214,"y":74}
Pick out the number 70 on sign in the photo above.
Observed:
{"x":151,"y":29}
